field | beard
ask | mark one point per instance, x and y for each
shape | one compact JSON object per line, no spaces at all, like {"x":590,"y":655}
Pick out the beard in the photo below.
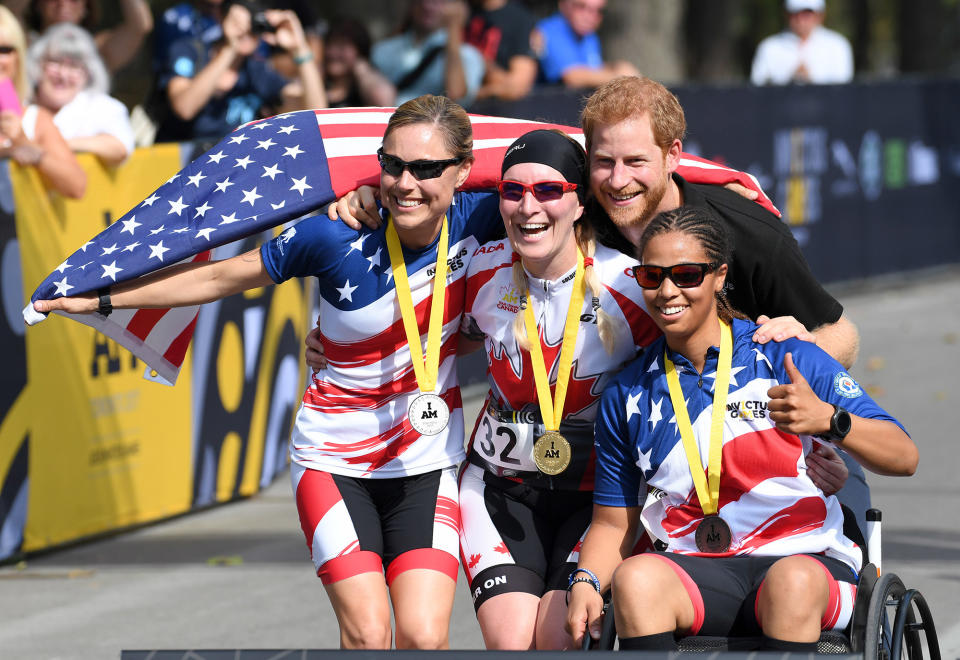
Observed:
{"x":636,"y":216}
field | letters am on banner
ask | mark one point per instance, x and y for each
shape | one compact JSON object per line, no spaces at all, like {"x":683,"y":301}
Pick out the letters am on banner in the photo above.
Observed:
{"x":87,"y":444}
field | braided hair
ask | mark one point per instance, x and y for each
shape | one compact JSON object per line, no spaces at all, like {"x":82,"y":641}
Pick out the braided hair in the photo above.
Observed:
{"x":710,"y":233}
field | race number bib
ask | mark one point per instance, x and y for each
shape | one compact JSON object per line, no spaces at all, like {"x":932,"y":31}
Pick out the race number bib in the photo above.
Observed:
{"x":508,"y":445}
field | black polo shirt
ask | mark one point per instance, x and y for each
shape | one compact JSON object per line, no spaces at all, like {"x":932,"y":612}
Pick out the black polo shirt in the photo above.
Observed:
{"x":769,"y":274}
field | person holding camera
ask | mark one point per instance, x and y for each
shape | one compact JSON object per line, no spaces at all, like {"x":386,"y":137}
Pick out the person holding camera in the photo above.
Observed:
{"x":212,"y":90}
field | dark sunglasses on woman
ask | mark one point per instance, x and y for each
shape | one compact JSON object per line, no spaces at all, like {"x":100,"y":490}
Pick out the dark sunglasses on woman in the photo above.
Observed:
{"x":420,"y":169}
{"x":543,"y":191}
{"x":685,"y":276}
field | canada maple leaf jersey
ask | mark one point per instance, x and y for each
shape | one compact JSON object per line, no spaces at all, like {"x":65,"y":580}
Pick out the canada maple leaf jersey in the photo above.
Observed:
{"x":353,"y":417}
{"x":491,"y":306}
{"x":766,"y":497}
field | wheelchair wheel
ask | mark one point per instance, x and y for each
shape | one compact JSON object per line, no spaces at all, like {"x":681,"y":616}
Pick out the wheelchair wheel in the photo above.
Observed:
{"x":892,"y":625}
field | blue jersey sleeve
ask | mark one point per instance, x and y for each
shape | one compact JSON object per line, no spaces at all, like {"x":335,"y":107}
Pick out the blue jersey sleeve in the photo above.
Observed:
{"x":827,"y":378}
{"x":618,"y":479}
{"x":312,"y":247}
{"x":476,"y":214}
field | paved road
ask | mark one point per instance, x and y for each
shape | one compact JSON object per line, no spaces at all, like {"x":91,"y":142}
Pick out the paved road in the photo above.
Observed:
{"x":238,"y":576}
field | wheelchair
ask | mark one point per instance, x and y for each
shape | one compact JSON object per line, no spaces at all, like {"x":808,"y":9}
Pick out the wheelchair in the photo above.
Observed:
{"x":887,"y":618}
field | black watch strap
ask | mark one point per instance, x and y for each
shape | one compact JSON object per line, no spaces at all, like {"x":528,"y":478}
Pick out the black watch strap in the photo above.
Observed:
{"x":105,"y":307}
{"x":839,"y":425}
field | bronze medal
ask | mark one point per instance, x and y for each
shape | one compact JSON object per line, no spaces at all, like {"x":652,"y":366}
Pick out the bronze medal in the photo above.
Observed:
{"x":713,"y":535}
{"x":551,"y":453}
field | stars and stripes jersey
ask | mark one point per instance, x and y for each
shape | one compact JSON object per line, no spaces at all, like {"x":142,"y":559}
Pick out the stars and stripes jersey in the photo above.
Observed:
{"x":766,"y":497}
{"x":491,"y":306}
{"x":353,"y":417}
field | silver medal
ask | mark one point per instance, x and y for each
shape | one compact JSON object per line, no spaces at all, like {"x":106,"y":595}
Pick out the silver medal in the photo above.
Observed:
{"x":428,"y":414}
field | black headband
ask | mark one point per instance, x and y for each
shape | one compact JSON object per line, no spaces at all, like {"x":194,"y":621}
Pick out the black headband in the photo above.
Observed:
{"x":552,"y":149}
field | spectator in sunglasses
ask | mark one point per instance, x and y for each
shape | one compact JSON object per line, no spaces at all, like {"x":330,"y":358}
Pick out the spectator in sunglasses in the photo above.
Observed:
{"x":31,"y":138}
{"x":71,"y":82}
{"x":760,"y":549}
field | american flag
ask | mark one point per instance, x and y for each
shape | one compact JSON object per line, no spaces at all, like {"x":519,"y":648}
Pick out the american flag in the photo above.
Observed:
{"x":262,"y":175}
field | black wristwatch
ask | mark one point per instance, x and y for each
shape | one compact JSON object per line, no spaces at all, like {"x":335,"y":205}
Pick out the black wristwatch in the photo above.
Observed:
{"x":105,"y":306}
{"x":840,"y":424}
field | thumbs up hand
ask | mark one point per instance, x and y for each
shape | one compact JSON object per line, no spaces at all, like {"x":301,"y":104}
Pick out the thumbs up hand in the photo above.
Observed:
{"x":795,"y":408}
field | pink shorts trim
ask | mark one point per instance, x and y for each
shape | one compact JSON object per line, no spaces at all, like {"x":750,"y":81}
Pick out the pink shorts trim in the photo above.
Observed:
{"x":693,"y":591}
{"x":431,"y":558}
{"x":348,"y":565}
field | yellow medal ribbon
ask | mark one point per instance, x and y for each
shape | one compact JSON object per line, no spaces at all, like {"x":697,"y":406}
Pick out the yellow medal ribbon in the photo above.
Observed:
{"x":708,"y":489}
{"x":552,"y":409}
{"x":425,"y":370}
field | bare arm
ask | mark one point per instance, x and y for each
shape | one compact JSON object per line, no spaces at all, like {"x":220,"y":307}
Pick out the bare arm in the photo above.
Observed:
{"x":841,"y":340}
{"x":178,"y":286}
{"x":455,"y":80}
{"x":609,"y":540}
{"x":306,"y":92}
{"x":512,"y":83}
{"x":375,"y":88}
{"x":189,"y":95}
{"x":106,"y":147}
{"x":583,"y":76}
{"x":56,"y":163}
{"x":119,"y":44}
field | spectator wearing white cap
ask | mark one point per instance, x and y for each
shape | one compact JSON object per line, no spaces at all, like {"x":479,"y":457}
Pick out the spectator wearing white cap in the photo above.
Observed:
{"x":806,"y":52}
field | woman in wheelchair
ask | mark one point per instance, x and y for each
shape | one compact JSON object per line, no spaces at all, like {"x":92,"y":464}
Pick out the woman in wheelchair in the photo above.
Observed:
{"x":752,"y":545}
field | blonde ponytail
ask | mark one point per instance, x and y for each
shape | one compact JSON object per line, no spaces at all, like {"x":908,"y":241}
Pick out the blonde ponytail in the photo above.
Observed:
{"x":588,"y":246}
{"x":521,"y":284}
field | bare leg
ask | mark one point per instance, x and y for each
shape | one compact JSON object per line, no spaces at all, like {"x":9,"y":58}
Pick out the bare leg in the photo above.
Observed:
{"x":508,"y":621}
{"x":793,"y":599}
{"x":649,"y":598}
{"x":362,"y":609}
{"x":550,"y":622}
{"x":422,"y":605}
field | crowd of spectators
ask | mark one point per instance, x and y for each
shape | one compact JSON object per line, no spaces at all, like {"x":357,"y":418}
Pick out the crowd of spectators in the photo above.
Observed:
{"x":217,"y":64}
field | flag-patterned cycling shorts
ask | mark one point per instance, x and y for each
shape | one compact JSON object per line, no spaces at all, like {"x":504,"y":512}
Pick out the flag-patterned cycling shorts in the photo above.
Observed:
{"x":725,"y":591}
{"x":518,"y":538}
{"x":355,"y":526}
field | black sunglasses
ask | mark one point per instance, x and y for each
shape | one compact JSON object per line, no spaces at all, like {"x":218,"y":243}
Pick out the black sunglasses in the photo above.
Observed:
{"x":420,"y":169}
{"x":685,"y":276}
{"x":543,"y":191}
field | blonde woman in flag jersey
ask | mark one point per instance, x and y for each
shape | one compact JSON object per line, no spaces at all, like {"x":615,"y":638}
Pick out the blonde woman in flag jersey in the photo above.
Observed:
{"x":379,"y":434}
{"x":558,"y":315}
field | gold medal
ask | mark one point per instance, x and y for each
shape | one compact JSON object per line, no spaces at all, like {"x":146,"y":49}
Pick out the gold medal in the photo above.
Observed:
{"x":551,"y":453}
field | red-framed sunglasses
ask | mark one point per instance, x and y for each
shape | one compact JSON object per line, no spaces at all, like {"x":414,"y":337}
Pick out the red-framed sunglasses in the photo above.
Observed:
{"x":685,"y":276}
{"x":543,"y":191}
